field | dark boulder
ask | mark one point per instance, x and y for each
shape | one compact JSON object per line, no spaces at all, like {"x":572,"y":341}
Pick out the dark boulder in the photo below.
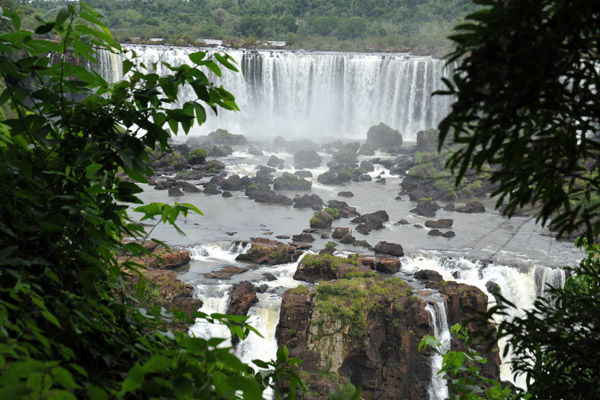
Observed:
{"x":346,"y":194}
{"x":234,"y":182}
{"x":428,"y":275}
{"x":427,"y":140}
{"x":339,"y":233}
{"x":343,"y":208}
{"x":426,"y":208}
{"x":330,"y":178}
{"x":267,"y":251}
{"x":472,"y":208}
{"x":289,"y":181}
{"x":225,"y":272}
{"x":303,"y":237}
{"x":439,"y":224}
{"x":321,"y":219}
{"x":175,"y":191}
{"x":227,"y":194}
{"x":303,"y":174}
{"x":307,"y":159}
{"x":243,"y":296}
{"x":275,"y":162}
{"x":367,"y":166}
{"x":392,"y":249}
{"x":384,"y":138}
{"x":388,"y":265}
{"x":308,"y":201}
{"x":211,"y":189}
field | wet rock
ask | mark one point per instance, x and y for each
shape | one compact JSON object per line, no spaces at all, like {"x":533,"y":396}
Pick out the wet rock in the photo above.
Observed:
{"x":321,"y":219}
{"x":362,"y":243}
{"x":380,"y":181}
{"x":282,"y":237}
{"x":267,"y":251}
{"x":388,"y":265}
{"x":307,"y":159}
{"x":493,"y":288}
{"x":304,"y":237}
{"x":371,"y":221}
{"x":427,"y":140}
{"x":338,"y":233}
{"x":226,"y":194}
{"x":230,"y":233}
{"x":188,"y":187}
{"x":367,"y":166}
{"x":450,"y":207}
{"x":472,"y":208}
{"x":289,"y":181}
{"x":346,"y":194}
{"x":235,"y":183}
{"x":220,"y":151}
{"x":275,"y":162}
{"x":344,"y":209}
{"x":402,"y":222}
{"x":347,"y":239}
{"x":270,"y":277}
{"x":255,"y":151}
{"x":324,"y":267}
{"x":384,"y":138}
{"x":175,"y":191}
{"x":428,"y":275}
{"x":303,"y":174}
{"x":330,"y":178}
{"x":435,"y":232}
{"x":449,"y":234}
{"x":426,"y":208}
{"x":243,"y":296}
{"x":210,"y":189}
{"x":225,"y":272}
{"x":392,"y":249}
{"x":418,"y":226}
{"x":264,"y":175}
{"x":301,"y":246}
{"x":308,"y":201}
{"x":439,"y":224}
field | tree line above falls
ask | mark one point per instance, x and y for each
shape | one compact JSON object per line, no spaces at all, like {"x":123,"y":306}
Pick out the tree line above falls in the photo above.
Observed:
{"x":375,"y":25}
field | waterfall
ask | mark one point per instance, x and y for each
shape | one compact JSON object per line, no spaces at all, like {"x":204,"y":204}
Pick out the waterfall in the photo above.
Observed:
{"x":314,"y":95}
{"x":439,"y":321}
{"x":222,"y":250}
{"x":545,"y":277}
{"x":264,"y":317}
{"x":215,"y":299}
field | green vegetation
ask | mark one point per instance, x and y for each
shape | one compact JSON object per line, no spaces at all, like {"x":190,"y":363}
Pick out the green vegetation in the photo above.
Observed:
{"x":421,"y":25}
{"x":431,"y":167}
{"x":197,"y":152}
{"x":383,"y":137}
{"x":316,"y":261}
{"x":351,"y":300}
{"x":334,"y":212}
{"x":224,"y":137}
{"x":69,"y":328}
{"x":540,"y":136}
{"x":289,"y":181}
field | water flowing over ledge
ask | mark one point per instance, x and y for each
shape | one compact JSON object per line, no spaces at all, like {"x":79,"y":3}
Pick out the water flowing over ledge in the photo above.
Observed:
{"x":314,"y":95}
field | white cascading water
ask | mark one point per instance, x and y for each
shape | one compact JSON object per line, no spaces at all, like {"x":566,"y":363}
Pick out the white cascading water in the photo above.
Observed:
{"x":439,"y":321}
{"x":520,"y":284}
{"x":331,"y":94}
{"x":545,"y":277}
{"x":264,"y":317}
{"x":215,"y":299}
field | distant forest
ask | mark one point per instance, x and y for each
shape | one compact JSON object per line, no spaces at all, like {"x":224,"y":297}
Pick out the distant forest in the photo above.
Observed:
{"x":363,"y":25}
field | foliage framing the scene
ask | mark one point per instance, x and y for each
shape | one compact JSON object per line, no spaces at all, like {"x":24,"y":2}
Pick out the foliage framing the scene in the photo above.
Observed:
{"x":69,"y":328}
{"x":527,"y":103}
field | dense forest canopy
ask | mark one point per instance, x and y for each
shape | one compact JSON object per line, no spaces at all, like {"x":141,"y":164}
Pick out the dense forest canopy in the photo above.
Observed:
{"x":420,"y":25}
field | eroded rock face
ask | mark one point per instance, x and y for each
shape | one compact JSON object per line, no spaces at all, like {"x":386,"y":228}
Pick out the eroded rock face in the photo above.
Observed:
{"x":267,"y":251}
{"x":378,"y":345}
{"x":380,"y":350}
{"x":243,"y":296}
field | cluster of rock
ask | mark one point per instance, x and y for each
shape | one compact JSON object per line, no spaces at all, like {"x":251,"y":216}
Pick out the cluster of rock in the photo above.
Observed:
{"x":157,"y":267}
{"x":359,"y":328}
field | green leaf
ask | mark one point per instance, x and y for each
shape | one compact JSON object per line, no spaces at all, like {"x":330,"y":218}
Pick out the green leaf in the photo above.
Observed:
{"x":50,"y":317}
{"x":91,"y":170}
{"x":134,"y":380}
{"x":42,"y":29}
{"x":64,"y":378}
{"x":62,"y":15}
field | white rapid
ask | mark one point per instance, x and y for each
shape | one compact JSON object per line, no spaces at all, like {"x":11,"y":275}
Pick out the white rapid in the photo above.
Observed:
{"x":519,"y":283}
{"x":314,"y":95}
{"x":439,"y":321}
